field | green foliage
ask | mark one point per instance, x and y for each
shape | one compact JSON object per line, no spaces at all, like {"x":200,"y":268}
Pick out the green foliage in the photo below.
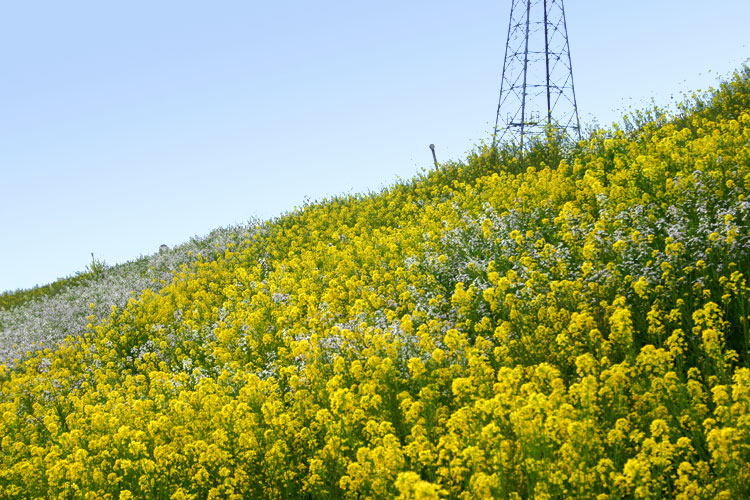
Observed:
{"x":96,"y":268}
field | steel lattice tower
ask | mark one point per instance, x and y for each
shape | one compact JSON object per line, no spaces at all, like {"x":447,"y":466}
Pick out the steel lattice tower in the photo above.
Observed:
{"x":536,"y":89}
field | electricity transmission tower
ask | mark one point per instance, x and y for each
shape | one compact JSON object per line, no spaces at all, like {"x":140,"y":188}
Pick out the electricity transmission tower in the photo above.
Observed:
{"x":537,"y":95}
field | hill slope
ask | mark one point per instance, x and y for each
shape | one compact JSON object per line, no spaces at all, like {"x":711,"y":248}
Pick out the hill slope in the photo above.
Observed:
{"x":43,"y":316}
{"x":576,"y":331}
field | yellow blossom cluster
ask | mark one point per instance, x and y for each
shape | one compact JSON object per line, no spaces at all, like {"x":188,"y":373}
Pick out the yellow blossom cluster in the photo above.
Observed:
{"x":577,"y":330}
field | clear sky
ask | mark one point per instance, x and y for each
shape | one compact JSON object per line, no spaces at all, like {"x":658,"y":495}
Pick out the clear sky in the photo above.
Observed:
{"x":125,"y":125}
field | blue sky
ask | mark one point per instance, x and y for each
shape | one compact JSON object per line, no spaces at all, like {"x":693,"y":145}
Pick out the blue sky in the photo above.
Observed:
{"x":125,"y":125}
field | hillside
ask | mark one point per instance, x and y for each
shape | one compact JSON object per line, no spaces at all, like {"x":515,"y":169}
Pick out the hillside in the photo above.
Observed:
{"x":571,"y":326}
{"x":43,"y":316}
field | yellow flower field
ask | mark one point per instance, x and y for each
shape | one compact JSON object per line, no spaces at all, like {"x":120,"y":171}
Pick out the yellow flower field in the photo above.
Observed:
{"x":487,"y":330}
